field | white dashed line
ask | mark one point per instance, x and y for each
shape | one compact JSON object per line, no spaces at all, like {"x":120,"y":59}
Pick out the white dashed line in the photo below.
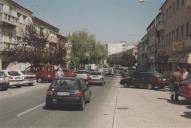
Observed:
{"x":31,"y":109}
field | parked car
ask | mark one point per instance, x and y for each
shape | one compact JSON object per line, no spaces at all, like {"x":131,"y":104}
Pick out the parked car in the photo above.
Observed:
{"x":15,"y":78}
{"x":148,"y":80}
{"x":68,"y":92}
{"x":183,"y":91}
{"x":43,"y":72}
{"x":96,"y":77}
{"x":69,"y":73}
{"x":84,"y":74}
{"x":29,"y":77}
{"x":4,"y":81}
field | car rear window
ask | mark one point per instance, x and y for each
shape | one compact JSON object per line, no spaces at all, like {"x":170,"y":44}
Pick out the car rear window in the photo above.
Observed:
{"x":95,"y":73}
{"x":82,"y":72}
{"x":66,"y":85}
{"x":27,"y":73}
{"x":2,"y":74}
{"x":13,"y":73}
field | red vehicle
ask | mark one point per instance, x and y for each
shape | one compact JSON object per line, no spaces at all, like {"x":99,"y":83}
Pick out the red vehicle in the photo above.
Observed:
{"x":184,"y":90}
{"x":69,"y":73}
{"x":43,"y":72}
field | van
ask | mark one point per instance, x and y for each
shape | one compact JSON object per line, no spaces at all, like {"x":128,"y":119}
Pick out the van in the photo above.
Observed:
{"x":43,"y":72}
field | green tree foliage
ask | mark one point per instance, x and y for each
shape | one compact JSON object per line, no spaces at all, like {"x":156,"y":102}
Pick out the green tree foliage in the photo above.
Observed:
{"x":123,"y":59}
{"x":85,"y":49}
{"x":35,"y":49}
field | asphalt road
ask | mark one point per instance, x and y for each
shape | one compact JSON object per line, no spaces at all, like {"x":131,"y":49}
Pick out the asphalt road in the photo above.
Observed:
{"x":111,"y":107}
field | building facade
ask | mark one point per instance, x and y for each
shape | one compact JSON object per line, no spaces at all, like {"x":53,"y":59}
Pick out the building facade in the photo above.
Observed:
{"x":13,"y":19}
{"x":172,"y":36}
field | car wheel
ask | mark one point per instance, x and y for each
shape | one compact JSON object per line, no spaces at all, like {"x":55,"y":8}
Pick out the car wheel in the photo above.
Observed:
{"x":39,"y":80}
{"x":30,"y":84}
{"x":150,"y":86}
{"x":176,"y":97}
{"x":82,"y":105}
{"x":5,"y":88}
{"x":89,"y":99}
{"x":172,"y":97}
{"x":126,"y":85}
{"x":18,"y":86}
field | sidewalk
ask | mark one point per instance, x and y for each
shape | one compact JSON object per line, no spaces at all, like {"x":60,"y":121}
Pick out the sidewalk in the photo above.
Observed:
{"x":142,"y":108}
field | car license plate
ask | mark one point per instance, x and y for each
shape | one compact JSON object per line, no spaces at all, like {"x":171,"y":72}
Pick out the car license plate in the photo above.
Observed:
{"x":63,"y":93}
{"x":49,"y":75}
{"x":163,"y":79}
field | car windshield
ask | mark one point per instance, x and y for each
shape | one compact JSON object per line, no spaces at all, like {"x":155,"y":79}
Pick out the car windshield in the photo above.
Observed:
{"x":2,"y":74}
{"x":82,"y":72}
{"x":13,"y":73}
{"x":95,"y":73}
{"x":27,"y":73}
{"x":65,"y":85}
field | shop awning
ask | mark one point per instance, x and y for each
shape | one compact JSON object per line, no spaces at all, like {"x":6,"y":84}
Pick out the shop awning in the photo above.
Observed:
{"x":180,"y":58}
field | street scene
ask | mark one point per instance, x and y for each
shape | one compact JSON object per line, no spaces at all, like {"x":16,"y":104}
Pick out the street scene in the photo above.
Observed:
{"x":95,"y":64}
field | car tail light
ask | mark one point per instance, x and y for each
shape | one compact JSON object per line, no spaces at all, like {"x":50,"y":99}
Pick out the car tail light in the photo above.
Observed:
{"x":10,"y":77}
{"x":78,"y":93}
{"x":49,"y":93}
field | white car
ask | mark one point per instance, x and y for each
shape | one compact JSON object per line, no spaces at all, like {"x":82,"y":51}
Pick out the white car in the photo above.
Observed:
{"x":29,"y":77}
{"x":15,"y":78}
{"x":96,"y":77}
{"x":83,"y":74}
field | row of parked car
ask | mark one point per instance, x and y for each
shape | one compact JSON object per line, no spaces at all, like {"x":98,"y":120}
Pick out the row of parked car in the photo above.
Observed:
{"x":10,"y":78}
{"x":46,"y":72}
{"x":154,"y":80}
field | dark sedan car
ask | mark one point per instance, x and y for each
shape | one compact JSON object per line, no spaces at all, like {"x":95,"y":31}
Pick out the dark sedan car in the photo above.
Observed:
{"x":68,"y":92}
{"x":148,"y":80}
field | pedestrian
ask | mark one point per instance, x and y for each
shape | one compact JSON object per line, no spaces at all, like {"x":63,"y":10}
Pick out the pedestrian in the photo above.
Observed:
{"x":177,"y":76}
{"x":59,"y":73}
{"x":185,"y":74}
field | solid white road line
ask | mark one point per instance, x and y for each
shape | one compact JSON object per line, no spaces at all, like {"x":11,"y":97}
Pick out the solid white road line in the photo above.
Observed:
{"x":31,"y":109}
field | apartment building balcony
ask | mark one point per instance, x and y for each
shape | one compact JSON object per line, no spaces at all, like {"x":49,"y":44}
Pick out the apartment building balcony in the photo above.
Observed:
{"x":160,"y":27}
{"x":8,"y":20}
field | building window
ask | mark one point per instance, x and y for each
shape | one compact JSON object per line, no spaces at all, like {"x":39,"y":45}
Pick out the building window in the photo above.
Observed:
{"x":182,"y":3}
{"x":177,"y":4}
{"x":182,"y":32}
{"x":173,"y":7}
{"x":1,"y":7}
{"x":188,"y":29}
{"x":170,"y":11}
{"x":177,"y":34}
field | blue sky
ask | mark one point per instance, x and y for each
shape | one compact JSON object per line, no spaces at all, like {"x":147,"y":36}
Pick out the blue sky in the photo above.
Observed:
{"x":108,"y":20}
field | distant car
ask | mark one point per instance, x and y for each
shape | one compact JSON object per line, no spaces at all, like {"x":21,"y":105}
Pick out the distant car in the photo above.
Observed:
{"x":68,"y":92}
{"x":96,"y":77}
{"x":4,"y":81}
{"x":69,"y":73}
{"x":15,"y":78}
{"x":148,"y":80}
{"x":29,"y":77}
{"x":109,"y":72}
{"x":84,"y":74}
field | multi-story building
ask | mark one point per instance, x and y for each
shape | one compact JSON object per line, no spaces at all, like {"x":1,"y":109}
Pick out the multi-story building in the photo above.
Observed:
{"x":169,"y":36}
{"x":117,"y":47}
{"x":13,"y":19}
{"x":48,"y":29}
{"x":176,"y":38}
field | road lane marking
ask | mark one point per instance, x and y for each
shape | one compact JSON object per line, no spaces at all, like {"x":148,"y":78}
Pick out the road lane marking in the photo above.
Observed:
{"x":31,"y":109}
